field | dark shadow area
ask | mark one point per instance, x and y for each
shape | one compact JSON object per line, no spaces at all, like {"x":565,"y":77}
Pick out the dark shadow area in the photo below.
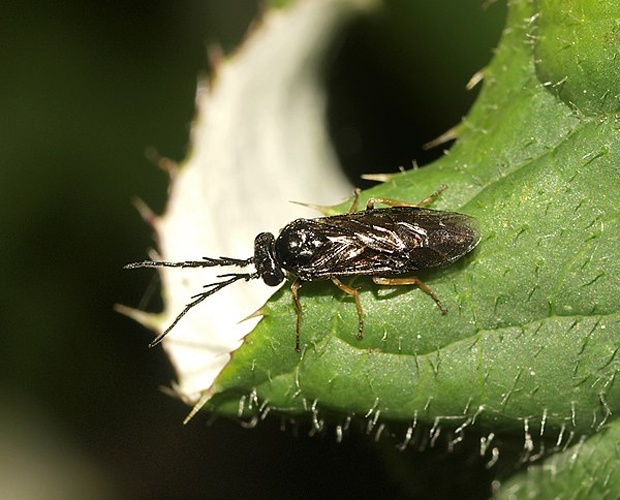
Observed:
{"x":397,"y":81}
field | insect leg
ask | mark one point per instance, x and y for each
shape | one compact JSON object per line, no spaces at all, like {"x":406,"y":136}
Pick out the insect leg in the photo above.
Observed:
{"x":356,"y":199}
{"x":355,"y":294}
{"x":370,"y":204}
{"x":411,"y":281}
{"x":295,"y":286}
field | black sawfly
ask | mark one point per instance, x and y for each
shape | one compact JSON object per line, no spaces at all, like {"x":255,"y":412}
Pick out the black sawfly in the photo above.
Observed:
{"x":383,"y":243}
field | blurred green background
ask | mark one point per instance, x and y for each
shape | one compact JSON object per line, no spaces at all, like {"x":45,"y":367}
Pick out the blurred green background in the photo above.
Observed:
{"x":86,"y":89}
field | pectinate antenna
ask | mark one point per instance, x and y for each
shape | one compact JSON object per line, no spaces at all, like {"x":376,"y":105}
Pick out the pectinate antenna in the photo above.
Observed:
{"x":210,"y":289}
{"x":199,"y":297}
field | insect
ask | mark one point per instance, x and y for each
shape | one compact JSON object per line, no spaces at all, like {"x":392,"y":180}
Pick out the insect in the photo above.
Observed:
{"x":383,"y":243}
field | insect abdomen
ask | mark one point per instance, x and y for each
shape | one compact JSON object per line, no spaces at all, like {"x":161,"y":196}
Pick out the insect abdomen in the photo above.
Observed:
{"x":450,"y":236}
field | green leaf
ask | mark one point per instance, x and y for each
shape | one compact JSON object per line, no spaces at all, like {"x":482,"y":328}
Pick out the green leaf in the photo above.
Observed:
{"x":577,"y":53}
{"x":589,"y":469}
{"x":533,"y":326}
{"x":529,"y":347}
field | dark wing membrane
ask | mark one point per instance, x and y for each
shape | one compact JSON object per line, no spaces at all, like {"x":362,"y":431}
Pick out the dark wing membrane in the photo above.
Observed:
{"x":450,"y":236}
{"x":359,"y":244}
{"x":384,"y":241}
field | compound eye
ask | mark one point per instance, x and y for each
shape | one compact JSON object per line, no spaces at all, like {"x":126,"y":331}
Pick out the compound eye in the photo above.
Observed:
{"x":273,"y":277}
{"x":267,"y":266}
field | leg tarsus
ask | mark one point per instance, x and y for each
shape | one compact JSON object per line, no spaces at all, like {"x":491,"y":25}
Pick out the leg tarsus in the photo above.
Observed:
{"x":411,"y":281}
{"x":295,"y":286}
{"x":356,"y":199}
{"x":355,"y":294}
{"x":432,"y":197}
{"x":370,"y":204}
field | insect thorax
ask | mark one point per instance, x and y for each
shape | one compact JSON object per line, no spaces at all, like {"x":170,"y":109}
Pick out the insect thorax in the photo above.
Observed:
{"x":301,"y":245}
